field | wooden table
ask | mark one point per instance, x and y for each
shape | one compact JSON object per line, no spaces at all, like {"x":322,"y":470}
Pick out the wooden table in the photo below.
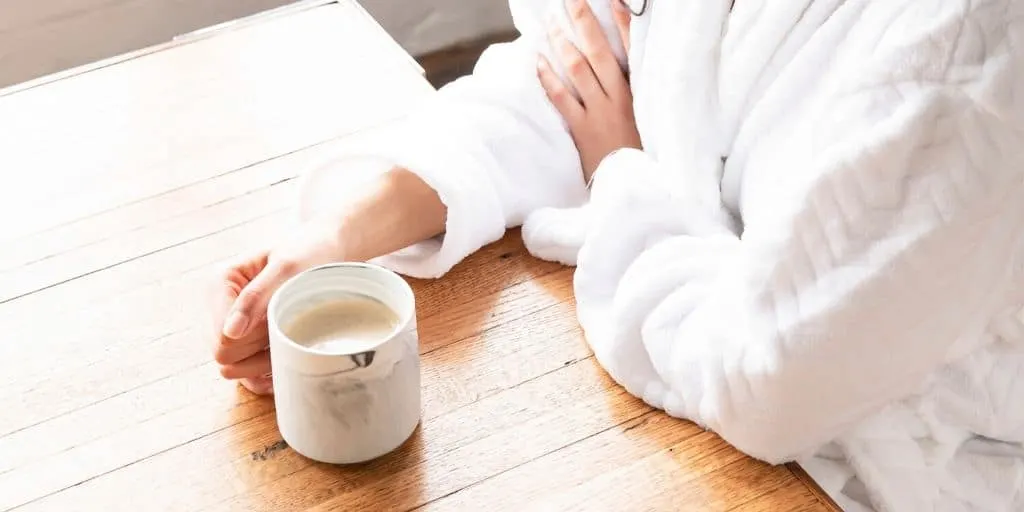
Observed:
{"x":128,"y":181}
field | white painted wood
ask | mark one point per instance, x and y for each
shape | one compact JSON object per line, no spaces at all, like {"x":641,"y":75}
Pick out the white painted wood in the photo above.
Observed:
{"x":196,"y":109}
{"x":40,"y":37}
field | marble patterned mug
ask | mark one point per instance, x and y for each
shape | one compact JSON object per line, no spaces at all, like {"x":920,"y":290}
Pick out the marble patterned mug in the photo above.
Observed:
{"x":345,"y":406}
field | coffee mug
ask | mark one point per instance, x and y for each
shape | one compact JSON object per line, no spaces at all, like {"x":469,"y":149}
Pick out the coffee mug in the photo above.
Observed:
{"x":345,"y":406}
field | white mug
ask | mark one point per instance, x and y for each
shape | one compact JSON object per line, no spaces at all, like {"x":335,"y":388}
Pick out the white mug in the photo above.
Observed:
{"x":350,"y":407}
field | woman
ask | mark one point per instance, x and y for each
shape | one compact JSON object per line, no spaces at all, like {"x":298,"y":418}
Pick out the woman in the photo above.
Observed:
{"x":818,"y":251}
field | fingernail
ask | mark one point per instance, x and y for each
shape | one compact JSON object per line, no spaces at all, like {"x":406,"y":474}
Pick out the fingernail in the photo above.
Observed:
{"x":236,"y":324}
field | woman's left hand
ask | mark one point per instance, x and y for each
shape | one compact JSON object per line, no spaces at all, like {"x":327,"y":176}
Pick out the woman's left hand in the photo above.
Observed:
{"x":601,"y":119}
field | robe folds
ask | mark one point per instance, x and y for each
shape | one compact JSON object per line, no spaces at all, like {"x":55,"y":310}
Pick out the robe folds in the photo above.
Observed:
{"x":818,"y":254}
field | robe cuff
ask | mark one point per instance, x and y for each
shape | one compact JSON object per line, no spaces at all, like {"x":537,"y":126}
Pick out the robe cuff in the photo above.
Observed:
{"x":629,"y":179}
{"x":444,"y":161}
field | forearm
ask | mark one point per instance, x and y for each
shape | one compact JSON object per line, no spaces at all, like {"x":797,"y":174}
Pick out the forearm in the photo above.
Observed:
{"x":390,"y":213}
{"x":488,"y":151}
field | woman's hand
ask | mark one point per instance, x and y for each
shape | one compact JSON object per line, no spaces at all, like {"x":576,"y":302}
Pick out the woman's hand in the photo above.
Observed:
{"x":601,"y":119}
{"x":380,"y":217}
{"x":241,"y":296}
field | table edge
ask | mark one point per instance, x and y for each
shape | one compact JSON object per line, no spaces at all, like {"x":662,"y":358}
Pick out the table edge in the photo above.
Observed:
{"x":200,"y":35}
{"x":805,"y":478}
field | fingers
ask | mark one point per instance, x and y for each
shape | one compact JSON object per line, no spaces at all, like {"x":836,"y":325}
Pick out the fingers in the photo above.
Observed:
{"x":594,"y":45}
{"x":259,"y":385}
{"x":240,"y":298}
{"x":232,"y":280}
{"x":246,"y":267}
{"x":230,"y":351}
{"x":622,"y":17}
{"x":567,"y":105}
{"x":577,"y":69}
{"x":250,"y":307}
{"x":255,"y":366}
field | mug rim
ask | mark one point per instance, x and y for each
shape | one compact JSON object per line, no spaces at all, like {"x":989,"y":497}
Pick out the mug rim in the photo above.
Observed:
{"x":405,"y":319}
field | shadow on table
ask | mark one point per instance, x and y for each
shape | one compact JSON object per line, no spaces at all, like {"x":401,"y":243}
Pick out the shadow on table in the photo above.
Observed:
{"x":477,"y":295}
{"x":393,"y":482}
{"x":276,"y":477}
{"x":499,"y":284}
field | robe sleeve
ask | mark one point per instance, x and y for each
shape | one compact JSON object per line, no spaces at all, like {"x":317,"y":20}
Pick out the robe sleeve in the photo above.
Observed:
{"x":843,"y":294}
{"x":490,"y":144}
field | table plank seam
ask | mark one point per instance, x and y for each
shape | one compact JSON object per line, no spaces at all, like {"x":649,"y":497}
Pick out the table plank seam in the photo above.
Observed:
{"x":135,"y":229}
{"x":180,"y":332}
{"x":183,"y":40}
{"x":253,"y":398}
{"x":140,"y":256}
{"x":819,"y":494}
{"x":762,"y":490}
{"x":104,"y":399}
{"x":433,"y":349}
{"x":144,"y":284}
{"x":502,"y":390}
{"x":313,"y":145}
{"x":648,"y":413}
{"x":310,"y":463}
{"x":5,"y":387}
{"x":137,"y":461}
{"x":700,"y":457}
{"x":51,"y":418}
{"x":495,"y":326}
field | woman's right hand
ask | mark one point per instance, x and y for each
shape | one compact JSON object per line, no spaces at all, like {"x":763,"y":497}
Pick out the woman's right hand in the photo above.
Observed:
{"x":388,"y":214}
{"x":241,"y":296}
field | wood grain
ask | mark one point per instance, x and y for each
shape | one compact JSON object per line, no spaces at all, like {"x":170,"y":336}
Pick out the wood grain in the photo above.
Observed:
{"x":796,"y":494}
{"x":110,"y":400}
{"x":196,"y":111}
{"x":462,"y":361}
{"x":812,"y":486}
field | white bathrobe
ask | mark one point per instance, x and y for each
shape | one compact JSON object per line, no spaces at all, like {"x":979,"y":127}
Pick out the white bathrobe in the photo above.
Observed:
{"x":819,"y":254}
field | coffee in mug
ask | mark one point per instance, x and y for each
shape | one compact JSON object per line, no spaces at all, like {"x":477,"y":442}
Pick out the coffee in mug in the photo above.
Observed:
{"x":343,"y":324}
{"x":345,"y":362}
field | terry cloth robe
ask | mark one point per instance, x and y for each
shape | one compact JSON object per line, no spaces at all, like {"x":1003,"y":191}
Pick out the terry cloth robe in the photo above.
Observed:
{"x":818,"y":255}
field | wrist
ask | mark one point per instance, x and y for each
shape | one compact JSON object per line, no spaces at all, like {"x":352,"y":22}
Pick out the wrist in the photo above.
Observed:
{"x":607,"y":157}
{"x":345,"y":225}
{"x":348,"y":241}
{"x":392,"y":212}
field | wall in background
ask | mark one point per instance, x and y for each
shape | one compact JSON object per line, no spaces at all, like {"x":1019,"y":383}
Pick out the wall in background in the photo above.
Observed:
{"x":42,"y":37}
{"x":423,"y":26}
